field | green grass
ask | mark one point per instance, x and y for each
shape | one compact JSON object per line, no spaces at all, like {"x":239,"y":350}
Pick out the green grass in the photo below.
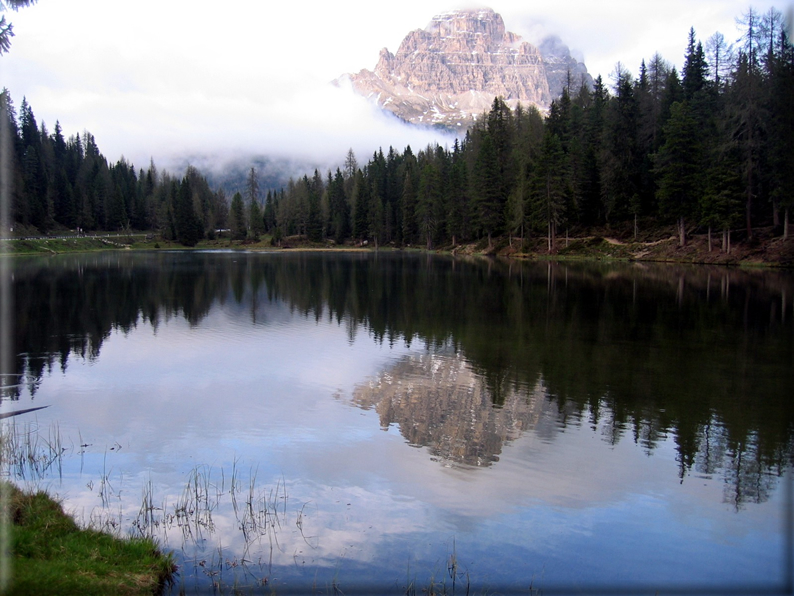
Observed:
{"x":50,"y":554}
{"x":57,"y":246}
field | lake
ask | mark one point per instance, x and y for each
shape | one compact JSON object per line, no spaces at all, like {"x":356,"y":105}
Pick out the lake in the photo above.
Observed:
{"x":396,"y":422}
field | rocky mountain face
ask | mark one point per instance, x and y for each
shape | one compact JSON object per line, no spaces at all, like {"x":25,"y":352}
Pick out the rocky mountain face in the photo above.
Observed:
{"x":449,"y":73}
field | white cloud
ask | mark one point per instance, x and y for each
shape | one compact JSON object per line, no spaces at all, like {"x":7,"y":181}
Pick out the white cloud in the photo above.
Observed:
{"x":165,"y":78}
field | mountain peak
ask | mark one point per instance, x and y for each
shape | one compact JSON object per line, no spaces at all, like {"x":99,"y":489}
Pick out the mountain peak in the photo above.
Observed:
{"x":467,"y":22}
{"x":448,"y":73}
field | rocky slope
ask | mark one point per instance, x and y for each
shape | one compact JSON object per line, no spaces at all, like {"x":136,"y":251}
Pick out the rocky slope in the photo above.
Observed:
{"x":449,"y":73}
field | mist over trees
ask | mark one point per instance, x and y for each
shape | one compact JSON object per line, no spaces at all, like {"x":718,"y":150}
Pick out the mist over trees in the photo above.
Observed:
{"x":710,"y":149}
{"x":707,"y":149}
{"x":59,"y":182}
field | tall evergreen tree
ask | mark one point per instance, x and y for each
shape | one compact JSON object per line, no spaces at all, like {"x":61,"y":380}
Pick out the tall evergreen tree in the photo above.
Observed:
{"x":427,"y":202}
{"x":620,"y":163}
{"x":489,"y":202}
{"x":780,"y":144}
{"x":189,"y":229}
{"x":359,"y":206}
{"x":678,"y":167}
{"x":748,"y":123}
{"x":338,"y":210}
{"x":237,"y":223}
{"x":458,"y":218}
{"x":549,"y":187}
{"x":409,"y":200}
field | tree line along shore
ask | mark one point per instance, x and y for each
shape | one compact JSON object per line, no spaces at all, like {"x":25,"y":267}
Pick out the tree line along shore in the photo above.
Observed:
{"x":705,"y":155}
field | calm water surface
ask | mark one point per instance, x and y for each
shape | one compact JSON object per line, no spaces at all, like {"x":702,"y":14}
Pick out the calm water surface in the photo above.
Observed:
{"x":386,"y":421}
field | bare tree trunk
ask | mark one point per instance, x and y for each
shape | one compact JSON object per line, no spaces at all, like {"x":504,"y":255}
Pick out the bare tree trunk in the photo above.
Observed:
{"x":635,"y":227}
{"x":785,"y":224}
{"x":729,"y":242}
{"x":552,"y":236}
{"x":749,"y":208}
{"x":548,"y":237}
{"x":709,"y":237}
{"x":681,"y":233}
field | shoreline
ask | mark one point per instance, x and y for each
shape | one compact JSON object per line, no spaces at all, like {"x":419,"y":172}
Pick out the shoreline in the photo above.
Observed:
{"x":764,"y":251}
{"x":50,"y":554}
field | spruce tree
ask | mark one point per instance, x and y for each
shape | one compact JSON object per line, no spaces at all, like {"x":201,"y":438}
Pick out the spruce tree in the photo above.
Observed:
{"x":359,"y":206}
{"x":677,"y":166}
{"x":458,"y":218}
{"x":427,"y":201}
{"x":256,"y":220}
{"x":549,"y":186}
{"x":620,"y":163}
{"x":489,"y":203}
{"x":237,"y":223}
{"x":409,"y":198}
{"x":188,"y":225}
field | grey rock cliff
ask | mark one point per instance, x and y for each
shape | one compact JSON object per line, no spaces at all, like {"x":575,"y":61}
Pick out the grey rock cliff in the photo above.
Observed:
{"x":449,"y":73}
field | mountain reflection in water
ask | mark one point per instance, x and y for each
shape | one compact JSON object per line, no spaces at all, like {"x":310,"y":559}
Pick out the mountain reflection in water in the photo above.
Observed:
{"x":438,"y":401}
{"x":573,"y":424}
{"x":638,"y":352}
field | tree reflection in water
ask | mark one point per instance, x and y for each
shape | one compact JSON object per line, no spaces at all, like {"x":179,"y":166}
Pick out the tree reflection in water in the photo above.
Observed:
{"x":639,"y":352}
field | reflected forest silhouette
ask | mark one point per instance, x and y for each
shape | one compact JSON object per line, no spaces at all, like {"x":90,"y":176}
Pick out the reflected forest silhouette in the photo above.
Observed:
{"x":636,"y":352}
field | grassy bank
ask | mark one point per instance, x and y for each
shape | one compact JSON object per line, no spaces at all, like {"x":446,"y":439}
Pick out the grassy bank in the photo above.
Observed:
{"x":52,"y":246}
{"x":657,"y":245}
{"x":50,"y":554}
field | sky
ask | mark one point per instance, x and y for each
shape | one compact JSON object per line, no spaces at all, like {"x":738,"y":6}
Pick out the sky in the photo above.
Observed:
{"x":171,"y":79}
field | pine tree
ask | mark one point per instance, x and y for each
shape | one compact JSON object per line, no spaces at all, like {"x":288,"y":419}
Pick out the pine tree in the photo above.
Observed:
{"x":314,"y":229}
{"x":458,"y":218}
{"x":256,"y":220}
{"x":695,"y":68}
{"x":269,"y":215}
{"x":237,"y":223}
{"x":590,"y":206}
{"x":409,"y":198}
{"x":188,"y":225}
{"x":620,"y":162}
{"x":516,"y":208}
{"x":678,"y":167}
{"x":549,"y":188}
{"x":721,"y":201}
{"x":489,"y":202}
{"x":375,"y":222}
{"x":427,"y":201}
{"x":359,"y":204}
{"x":780,"y":68}
{"x":748,"y":122}
{"x":338,"y":210}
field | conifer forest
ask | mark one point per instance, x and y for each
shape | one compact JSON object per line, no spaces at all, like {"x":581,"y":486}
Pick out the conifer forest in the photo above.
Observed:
{"x":709,"y":149}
